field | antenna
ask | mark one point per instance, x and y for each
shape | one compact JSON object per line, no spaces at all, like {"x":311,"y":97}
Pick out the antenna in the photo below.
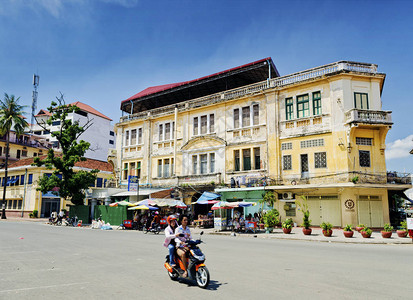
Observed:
{"x":34,"y":97}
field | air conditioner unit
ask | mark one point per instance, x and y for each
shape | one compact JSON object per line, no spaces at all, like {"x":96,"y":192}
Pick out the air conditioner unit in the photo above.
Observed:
{"x":287,"y":196}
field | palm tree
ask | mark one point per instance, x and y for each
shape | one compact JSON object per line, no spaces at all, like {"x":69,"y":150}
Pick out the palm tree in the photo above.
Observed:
{"x":11,"y":116}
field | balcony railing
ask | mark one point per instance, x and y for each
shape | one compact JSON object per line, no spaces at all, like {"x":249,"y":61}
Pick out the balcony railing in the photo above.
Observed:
{"x":203,"y":179}
{"x":368,"y":116}
{"x":259,"y":87}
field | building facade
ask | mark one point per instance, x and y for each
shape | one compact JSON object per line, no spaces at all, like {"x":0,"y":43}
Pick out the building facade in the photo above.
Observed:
{"x":100,"y":134}
{"x":22,"y":198}
{"x":319,"y":133}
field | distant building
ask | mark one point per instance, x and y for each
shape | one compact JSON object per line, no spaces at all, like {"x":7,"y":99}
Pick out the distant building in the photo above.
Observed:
{"x":100,"y":135}
{"x":24,"y":146}
{"x":21,"y":194}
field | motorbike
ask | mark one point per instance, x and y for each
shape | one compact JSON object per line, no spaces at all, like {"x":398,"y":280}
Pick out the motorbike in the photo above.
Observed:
{"x":196,"y":267}
{"x":71,"y":221}
{"x":155,"y":228}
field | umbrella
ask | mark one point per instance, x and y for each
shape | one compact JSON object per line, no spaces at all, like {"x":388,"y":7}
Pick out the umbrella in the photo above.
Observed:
{"x":143,"y":207}
{"x":221,"y":205}
{"x":146,"y":202}
{"x":207,"y":198}
{"x":241,"y":204}
{"x":122,"y":203}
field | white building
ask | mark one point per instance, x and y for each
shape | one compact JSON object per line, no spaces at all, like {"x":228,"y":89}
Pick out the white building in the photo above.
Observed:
{"x":100,"y":134}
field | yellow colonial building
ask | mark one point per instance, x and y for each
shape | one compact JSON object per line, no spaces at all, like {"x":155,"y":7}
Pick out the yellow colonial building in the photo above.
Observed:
{"x":22,"y":198}
{"x":242,"y":132}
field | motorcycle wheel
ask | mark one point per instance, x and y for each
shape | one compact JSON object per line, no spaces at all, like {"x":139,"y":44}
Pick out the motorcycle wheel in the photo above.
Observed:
{"x":59,"y":223}
{"x":202,"y":277}
{"x":145,"y":230}
{"x":173,"y":275}
{"x":157,"y":230}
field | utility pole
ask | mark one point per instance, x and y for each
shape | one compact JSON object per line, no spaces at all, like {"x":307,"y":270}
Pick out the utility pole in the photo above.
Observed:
{"x":34,"y":97}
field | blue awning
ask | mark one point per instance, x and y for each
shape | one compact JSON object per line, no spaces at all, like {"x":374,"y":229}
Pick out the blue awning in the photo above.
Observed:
{"x":207,"y":196}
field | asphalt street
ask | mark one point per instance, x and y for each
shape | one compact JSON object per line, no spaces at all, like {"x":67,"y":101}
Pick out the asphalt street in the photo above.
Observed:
{"x":40,"y":261}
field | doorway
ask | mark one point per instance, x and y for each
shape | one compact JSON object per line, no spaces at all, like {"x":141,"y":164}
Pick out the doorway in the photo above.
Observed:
{"x":49,"y":205}
{"x":304,"y":165}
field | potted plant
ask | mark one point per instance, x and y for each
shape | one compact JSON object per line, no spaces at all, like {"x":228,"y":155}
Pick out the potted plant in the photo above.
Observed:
{"x":287,"y":226}
{"x":402,"y":232}
{"x":360,"y":227}
{"x":270,"y":220}
{"x":366,"y":232}
{"x":306,"y":216}
{"x":387,"y":231}
{"x":348,"y":231}
{"x":327,"y":229}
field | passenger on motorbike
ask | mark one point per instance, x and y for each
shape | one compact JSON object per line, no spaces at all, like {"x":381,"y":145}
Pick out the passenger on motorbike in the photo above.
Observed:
{"x":170,"y":236}
{"x":183,"y":234}
{"x":156,"y":220}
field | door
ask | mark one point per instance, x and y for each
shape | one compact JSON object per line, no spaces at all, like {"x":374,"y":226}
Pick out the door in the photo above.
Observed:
{"x":304,"y":165}
{"x":330,"y":212}
{"x":370,"y":213}
{"x":315,"y":211}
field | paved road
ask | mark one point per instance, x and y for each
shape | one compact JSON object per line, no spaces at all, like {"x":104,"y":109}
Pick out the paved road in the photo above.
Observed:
{"x":39,"y":261}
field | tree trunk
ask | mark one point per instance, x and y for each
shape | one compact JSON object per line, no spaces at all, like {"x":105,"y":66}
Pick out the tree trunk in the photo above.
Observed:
{"x":3,"y":212}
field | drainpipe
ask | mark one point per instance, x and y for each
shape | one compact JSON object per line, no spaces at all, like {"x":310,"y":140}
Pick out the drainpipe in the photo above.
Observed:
{"x":24,"y":191}
{"x":149,"y":150}
{"x":121,"y":157}
{"x":131,"y":108}
{"x":175,"y":137}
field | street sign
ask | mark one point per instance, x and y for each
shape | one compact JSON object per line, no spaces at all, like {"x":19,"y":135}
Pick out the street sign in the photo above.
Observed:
{"x":133,"y":182}
{"x":409,"y":223}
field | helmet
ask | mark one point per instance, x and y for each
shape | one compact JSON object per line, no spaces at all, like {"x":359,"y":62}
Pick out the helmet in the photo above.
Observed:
{"x":170,"y":219}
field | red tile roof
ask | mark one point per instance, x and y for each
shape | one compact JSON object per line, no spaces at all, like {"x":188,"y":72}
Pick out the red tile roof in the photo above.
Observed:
{"x":160,"y":88}
{"x":43,"y":112}
{"x":89,"y":163}
{"x":79,"y":104}
{"x":89,"y":109}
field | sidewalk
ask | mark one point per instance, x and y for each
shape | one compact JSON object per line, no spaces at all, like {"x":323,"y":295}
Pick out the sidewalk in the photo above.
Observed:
{"x":316,"y":236}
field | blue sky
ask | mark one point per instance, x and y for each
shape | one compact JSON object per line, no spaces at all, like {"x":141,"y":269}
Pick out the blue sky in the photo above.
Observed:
{"x":102,"y":51}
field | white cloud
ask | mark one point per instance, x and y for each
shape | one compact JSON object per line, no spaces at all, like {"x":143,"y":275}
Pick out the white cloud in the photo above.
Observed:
{"x":399,"y":148}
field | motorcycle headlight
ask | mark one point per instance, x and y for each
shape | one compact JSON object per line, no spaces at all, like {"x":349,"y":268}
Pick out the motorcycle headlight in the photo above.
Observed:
{"x":197,"y":256}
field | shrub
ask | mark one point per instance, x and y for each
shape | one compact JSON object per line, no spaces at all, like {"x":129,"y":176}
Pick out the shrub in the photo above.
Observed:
{"x":306,"y":213}
{"x":326,"y":226}
{"x":361,"y":225}
{"x":355,"y":179}
{"x":348,"y":227}
{"x":271,"y":218}
{"x":387,"y":227}
{"x":403,"y":225}
{"x":367,"y":230}
{"x":288,"y":223}
{"x":34,"y":214}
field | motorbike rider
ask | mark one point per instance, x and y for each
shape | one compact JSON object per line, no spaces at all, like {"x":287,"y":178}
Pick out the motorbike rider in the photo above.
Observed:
{"x":156,"y":219}
{"x":170,"y":236}
{"x":180,"y":241}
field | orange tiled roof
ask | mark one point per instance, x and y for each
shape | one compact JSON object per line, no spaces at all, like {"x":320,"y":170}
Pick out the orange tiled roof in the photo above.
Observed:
{"x":89,"y":109}
{"x":89,"y":163}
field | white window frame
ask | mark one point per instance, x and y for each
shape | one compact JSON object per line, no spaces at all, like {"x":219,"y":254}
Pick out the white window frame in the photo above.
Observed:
{"x":171,"y":135}
{"x":196,"y":170}
{"x":128,"y":137}
{"x":240,"y":122}
{"x":208,"y":127}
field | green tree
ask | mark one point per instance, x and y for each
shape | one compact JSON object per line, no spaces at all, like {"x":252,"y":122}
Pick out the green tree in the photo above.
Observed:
{"x":11,"y":117}
{"x":64,"y":181}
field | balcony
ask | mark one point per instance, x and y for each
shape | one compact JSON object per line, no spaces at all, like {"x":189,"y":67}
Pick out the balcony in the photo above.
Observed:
{"x":371,"y":117}
{"x":318,"y":72}
{"x":311,"y":125}
{"x":203,"y":179}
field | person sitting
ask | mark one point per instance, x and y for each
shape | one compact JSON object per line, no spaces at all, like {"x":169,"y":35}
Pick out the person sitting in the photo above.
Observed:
{"x":170,"y":236}
{"x":180,"y":241}
{"x":242,"y":222}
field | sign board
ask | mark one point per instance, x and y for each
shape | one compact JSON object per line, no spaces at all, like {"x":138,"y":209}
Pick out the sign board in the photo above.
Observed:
{"x":133,"y":182}
{"x":409,"y":223}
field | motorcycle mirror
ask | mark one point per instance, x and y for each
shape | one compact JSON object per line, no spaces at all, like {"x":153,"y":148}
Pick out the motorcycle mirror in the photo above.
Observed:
{"x":201,"y":233}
